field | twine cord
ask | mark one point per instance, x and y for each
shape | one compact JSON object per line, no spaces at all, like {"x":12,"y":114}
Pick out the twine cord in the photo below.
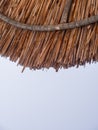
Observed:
{"x":66,"y":12}
{"x":59,"y":27}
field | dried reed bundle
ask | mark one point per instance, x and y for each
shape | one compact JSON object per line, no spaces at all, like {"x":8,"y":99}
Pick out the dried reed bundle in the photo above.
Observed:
{"x":25,"y":37}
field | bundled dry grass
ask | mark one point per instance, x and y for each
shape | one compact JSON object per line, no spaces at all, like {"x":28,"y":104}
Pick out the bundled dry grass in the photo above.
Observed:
{"x":55,"y":49}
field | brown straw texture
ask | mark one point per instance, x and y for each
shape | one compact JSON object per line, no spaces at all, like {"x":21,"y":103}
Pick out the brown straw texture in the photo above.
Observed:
{"x":45,"y":49}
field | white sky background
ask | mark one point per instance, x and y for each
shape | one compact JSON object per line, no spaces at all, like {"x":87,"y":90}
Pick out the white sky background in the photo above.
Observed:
{"x":48,"y":100}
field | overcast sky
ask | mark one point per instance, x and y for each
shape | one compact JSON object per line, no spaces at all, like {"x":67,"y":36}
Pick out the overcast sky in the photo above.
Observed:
{"x":48,"y":100}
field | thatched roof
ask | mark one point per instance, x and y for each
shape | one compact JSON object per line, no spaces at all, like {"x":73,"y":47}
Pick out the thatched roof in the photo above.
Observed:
{"x":49,"y":33}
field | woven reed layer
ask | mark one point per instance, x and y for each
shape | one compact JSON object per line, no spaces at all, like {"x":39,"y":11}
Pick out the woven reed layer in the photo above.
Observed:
{"x":38,"y":50}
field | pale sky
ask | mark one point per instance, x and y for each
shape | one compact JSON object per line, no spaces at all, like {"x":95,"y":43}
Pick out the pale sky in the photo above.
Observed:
{"x":48,"y":100}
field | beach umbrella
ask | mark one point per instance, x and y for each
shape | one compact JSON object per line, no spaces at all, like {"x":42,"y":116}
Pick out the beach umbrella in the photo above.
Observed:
{"x":49,"y":33}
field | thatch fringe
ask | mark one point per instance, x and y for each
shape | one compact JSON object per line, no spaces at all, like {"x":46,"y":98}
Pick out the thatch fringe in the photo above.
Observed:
{"x":48,"y":49}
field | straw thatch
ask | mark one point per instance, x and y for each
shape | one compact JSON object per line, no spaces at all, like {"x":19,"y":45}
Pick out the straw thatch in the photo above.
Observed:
{"x":59,"y":44}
